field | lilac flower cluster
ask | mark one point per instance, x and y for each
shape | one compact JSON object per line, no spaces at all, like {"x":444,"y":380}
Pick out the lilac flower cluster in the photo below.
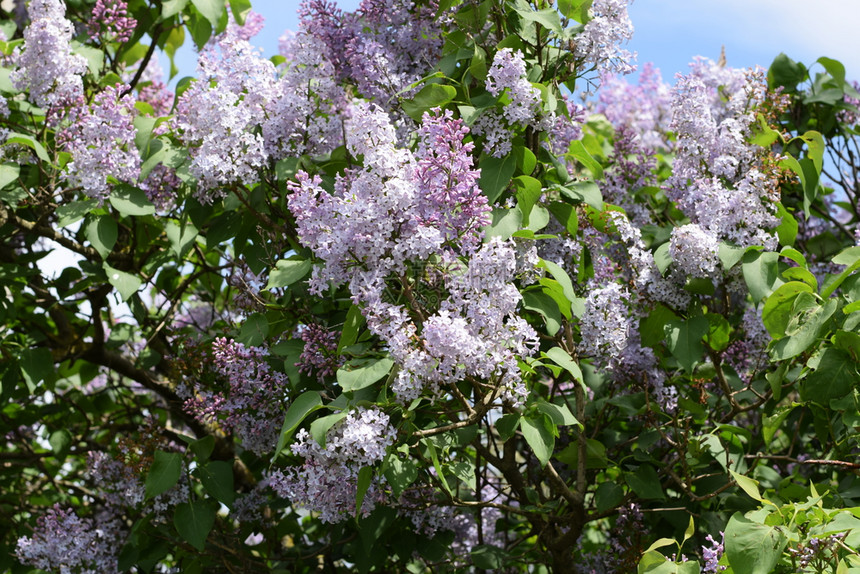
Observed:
{"x":47,"y":67}
{"x":308,"y":105}
{"x":609,"y":326}
{"x":445,"y":176}
{"x":254,"y":404}
{"x":100,"y":139}
{"x":121,"y":487}
{"x":382,"y":48}
{"x":219,"y":115}
{"x":599,"y":42}
{"x":563,"y":129}
{"x":239,"y":117}
{"x":632,"y":168}
{"x":327,"y":481}
{"x":644,"y":108}
{"x":397,"y":211}
{"x":112,"y":17}
{"x":693,"y":251}
{"x":718,"y":179}
{"x":64,"y":542}
{"x":320,"y":353}
{"x":713,"y":554}
{"x":507,"y":75}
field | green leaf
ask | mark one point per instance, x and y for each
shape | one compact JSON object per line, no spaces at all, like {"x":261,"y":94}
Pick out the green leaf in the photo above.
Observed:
{"x":684,"y":339}
{"x":61,"y":442}
{"x":217,"y":478}
{"x":807,"y":320}
{"x":37,"y":365}
{"x":747,"y":484}
{"x":560,"y":415}
{"x":365,"y":475}
{"x":833,"y":378}
{"x":488,"y":557}
{"x":126,"y":283}
{"x":526,"y":160}
{"x":287,"y":272}
{"x":560,"y":275}
{"x":193,"y":521}
{"x":787,"y":229}
{"x":652,"y":328}
{"x":305,"y":404}
{"x":584,"y":192}
{"x":211,"y":10}
{"x":546,"y":306}
{"x":181,"y":236}
{"x":506,"y":426}
{"x":815,"y":148}
{"x":163,"y":474}
{"x":527,"y":194}
{"x":9,"y":173}
{"x":771,"y":424}
{"x":31,"y":143}
{"x":254,"y":330}
{"x":778,"y":306}
{"x":401,"y":472}
{"x":608,"y":495}
{"x":563,"y":359}
{"x":321,"y":426}
{"x":74,"y":211}
{"x":538,"y":437}
{"x":431,"y":96}
{"x":102,"y":233}
{"x":171,"y":8}
{"x":578,"y":151}
{"x":645,"y":483}
{"x":730,"y":255}
{"x":662,"y":258}
{"x":496,"y":173}
{"x":131,"y":201}
{"x":719,"y":332}
{"x":761,"y":273}
{"x":202,"y":448}
{"x":548,"y":18}
{"x":661,"y":543}
{"x":753,"y":548}
{"x":360,"y":373}
{"x":354,"y":322}
{"x":505,"y":223}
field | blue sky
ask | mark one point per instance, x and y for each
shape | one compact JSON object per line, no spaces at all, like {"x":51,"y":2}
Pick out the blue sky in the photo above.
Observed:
{"x":671,"y":32}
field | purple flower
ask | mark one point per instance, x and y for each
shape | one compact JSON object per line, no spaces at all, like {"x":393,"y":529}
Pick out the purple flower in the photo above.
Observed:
{"x":47,"y":67}
{"x":112,"y":17}
{"x":100,"y":139}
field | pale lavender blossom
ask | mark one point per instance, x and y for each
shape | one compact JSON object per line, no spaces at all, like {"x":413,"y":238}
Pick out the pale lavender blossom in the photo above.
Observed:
{"x":381,"y":48}
{"x":645,"y":108}
{"x":718,"y":180}
{"x":712,"y":555}
{"x":100,"y":139}
{"x":254,"y":403}
{"x":110,"y":21}
{"x":64,"y":542}
{"x":599,"y":43}
{"x":694,"y":251}
{"x":308,"y":106}
{"x":508,"y":74}
{"x":219,"y":115}
{"x":47,"y":67}
{"x":327,"y":481}
{"x":319,"y":355}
